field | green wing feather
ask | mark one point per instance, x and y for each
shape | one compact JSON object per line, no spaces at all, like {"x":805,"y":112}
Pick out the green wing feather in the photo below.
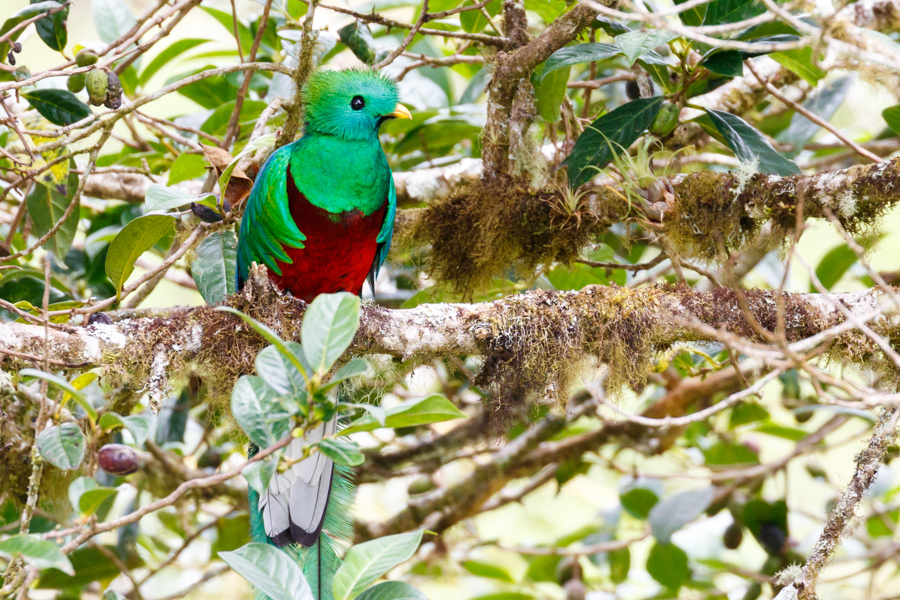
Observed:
{"x":267,"y":225}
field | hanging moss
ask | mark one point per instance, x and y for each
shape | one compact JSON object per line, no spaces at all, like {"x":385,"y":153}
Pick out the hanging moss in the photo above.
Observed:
{"x":488,"y":230}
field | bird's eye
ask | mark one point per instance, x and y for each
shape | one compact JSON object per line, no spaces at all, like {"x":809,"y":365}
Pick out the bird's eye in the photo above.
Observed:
{"x":358,"y":103}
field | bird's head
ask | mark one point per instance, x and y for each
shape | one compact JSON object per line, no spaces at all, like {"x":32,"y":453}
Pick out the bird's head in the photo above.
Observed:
{"x":350,"y":104}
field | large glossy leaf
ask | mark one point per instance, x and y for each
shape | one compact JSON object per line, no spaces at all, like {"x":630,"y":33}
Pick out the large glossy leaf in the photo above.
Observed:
{"x":87,"y":495}
{"x":833,"y":266}
{"x":60,"y":107}
{"x":162,"y":198}
{"x":892,"y":117}
{"x":474,"y":21}
{"x":636,"y":44}
{"x":43,"y":554}
{"x":676,"y":511}
{"x":328,"y":328}
{"x":90,"y":564}
{"x":112,"y":19}
{"x":46,"y":205}
{"x":609,"y":136}
{"x":728,"y":63}
{"x":823,"y":104}
{"x":432,"y":409}
{"x":137,"y":425}
{"x":719,"y":12}
{"x":167,"y":56}
{"x":342,"y":452}
{"x":16,"y":18}
{"x":800,"y":61}
{"x":52,"y":29}
{"x":367,"y":562}
{"x":213,"y":269}
{"x":748,"y":144}
{"x":135,"y":238}
{"x":392,"y":590}
{"x":550,"y":92}
{"x":254,"y":408}
{"x":692,"y":17}
{"x":62,"y":445}
{"x":668,"y":564}
{"x":578,"y":54}
{"x":271,"y":570}
{"x":62,"y":384}
{"x":279,"y":372}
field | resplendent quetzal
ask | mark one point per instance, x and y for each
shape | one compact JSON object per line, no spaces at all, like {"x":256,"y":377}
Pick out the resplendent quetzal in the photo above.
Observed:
{"x":320,"y":217}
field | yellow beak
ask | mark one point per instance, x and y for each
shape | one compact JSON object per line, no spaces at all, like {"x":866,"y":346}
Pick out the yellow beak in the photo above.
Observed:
{"x":400,"y":112}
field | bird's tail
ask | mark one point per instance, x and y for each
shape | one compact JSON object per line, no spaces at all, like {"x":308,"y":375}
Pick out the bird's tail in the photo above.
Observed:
{"x":321,"y":560}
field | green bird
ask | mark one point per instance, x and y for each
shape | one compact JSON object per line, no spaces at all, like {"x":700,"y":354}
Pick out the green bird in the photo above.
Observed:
{"x":320,"y":216}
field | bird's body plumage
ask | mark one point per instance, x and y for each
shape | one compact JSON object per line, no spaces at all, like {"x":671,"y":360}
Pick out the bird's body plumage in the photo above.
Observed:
{"x":320,"y":217}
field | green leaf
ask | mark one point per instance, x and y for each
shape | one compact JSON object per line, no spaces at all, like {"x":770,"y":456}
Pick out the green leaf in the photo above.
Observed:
{"x":63,"y":385}
{"x":800,"y":61}
{"x":636,"y":44}
{"x":488,"y":570}
{"x":675,"y":512}
{"x":392,"y":590}
{"x":342,"y":452}
{"x":279,"y":372}
{"x":21,"y":15}
{"x":213,"y":268}
{"x":162,"y":198}
{"x":550,"y":92}
{"x":254,"y":408}
{"x":60,"y":107}
{"x":137,"y":237}
{"x":358,"y":38}
{"x":90,"y":564}
{"x":693,"y":16}
{"x":138,"y":425}
{"x":433,"y":409}
{"x":609,"y":136}
{"x":720,"y":12}
{"x":833,"y":266}
{"x":370,"y":560}
{"x":892,"y":117}
{"x":328,"y":328}
{"x":112,"y":19}
{"x":86,"y":495}
{"x":748,"y":144}
{"x":639,"y":502}
{"x":43,"y":554}
{"x":824,"y":103}
{"x":668,"y":564}
{"x":271,"y":570}
{"x":52,"y":29}
{"x":187,"y":167}
{"x":474,"y":21}
{"x":728,"y":63}
{"x":578,"y":54}
{"x":46,"y":205}
{"x":62,"y":445}
{"x":225,"y":19}
{"x":619,"y":564}
{"x":260,"y":474}
{"x":167,"y":56}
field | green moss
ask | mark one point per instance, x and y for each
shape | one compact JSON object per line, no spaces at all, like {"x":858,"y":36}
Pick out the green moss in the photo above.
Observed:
{"x":485,"y":231}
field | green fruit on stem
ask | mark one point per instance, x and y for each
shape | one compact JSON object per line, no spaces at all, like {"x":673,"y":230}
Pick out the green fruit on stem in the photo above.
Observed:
{"x":97,"y":86}
{"x":86,"y":58}
{"x":76,"y":82}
